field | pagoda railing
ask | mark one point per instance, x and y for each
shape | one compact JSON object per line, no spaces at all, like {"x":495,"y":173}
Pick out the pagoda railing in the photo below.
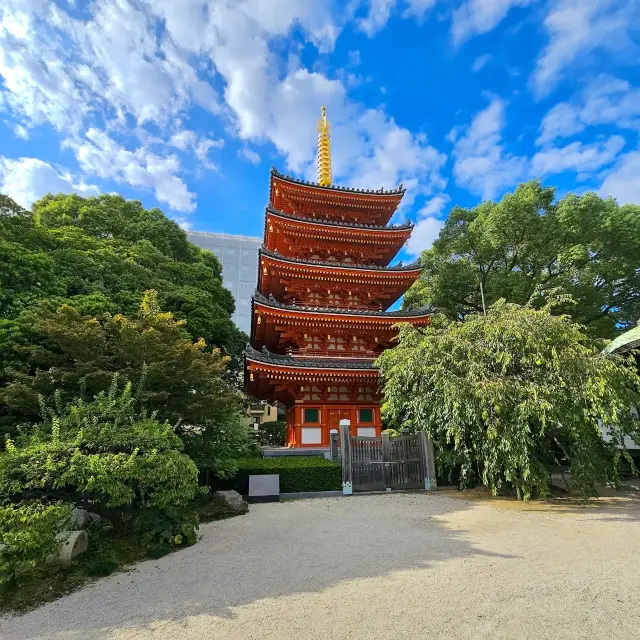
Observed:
{"x":335,"y":305}
{"x":351,"y":354}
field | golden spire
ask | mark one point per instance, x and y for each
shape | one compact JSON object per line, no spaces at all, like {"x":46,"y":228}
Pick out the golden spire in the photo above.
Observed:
{"x":324,"y":150}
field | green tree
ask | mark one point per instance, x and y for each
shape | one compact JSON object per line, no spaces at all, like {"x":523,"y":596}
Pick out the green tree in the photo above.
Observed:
{"x":588,"y":246}
{"x":99,"y":255}
{"x":513,"y":396}
{"x":183,"y":381}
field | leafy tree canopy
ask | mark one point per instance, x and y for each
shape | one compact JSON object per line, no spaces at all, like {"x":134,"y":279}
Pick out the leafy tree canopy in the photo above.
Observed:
{"x":515,"y":395}
{"x":588,"y":246}
{"x":184,"y":382}
{"x":99,"y":255}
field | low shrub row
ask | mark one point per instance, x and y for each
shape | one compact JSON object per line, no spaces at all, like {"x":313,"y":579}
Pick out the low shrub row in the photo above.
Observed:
{"x":297,"y":473}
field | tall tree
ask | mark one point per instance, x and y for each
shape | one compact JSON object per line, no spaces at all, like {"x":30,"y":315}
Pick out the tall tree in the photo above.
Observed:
{"x":513,"y":396}
{"x":585,"y":245}
{"x":100,"y":255}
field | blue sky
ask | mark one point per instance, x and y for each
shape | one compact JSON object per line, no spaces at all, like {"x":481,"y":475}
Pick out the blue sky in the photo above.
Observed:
{"x":186,"y":105}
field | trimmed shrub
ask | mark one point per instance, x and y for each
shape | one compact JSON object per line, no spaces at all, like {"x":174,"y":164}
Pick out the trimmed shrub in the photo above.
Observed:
{"x":272,"y":434}
{"x":297,"y":473}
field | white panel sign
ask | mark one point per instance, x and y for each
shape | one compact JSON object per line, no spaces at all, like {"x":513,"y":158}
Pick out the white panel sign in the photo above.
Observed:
{"x":367,"y":432}
{"x":311,"y":435}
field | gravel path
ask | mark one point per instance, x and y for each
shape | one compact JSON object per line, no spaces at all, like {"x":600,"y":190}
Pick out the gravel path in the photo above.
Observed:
{"x":386,"y":566}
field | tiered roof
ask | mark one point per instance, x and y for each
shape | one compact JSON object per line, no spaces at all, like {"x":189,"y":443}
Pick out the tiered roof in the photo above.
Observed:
{"x":335,"y":264}
{"x":304,"y":237}
{"x":267,"y":357}
{"x":301,"y":198}
{"x":270,"y":301}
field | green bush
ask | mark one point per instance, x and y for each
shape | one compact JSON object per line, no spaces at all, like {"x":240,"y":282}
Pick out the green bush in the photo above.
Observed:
{"x":111,"y":458}
{"x":297,"y":473}
{"x":272,"y":434}
{"x":28,"y":535}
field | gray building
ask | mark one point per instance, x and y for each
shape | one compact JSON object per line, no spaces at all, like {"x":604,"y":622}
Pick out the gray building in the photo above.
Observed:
{"x":239,"y":258}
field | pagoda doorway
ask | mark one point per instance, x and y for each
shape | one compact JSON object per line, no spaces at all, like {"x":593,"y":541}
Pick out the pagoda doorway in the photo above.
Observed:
{"x":335,"y":415}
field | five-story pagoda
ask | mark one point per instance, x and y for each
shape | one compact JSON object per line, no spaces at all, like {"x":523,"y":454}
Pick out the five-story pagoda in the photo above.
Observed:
{"x":319,"y":313}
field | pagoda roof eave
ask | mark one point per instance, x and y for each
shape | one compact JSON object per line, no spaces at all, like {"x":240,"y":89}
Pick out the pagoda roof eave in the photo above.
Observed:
{"x":398,"y":191}
{"x":356,"y":226}
{"x":334,"y":364}
{"x":414,"y":266}
{"x":403,"y":314}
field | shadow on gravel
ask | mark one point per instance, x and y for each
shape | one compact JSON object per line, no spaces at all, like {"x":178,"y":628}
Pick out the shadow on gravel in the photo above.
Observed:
{"x":276,"y":550}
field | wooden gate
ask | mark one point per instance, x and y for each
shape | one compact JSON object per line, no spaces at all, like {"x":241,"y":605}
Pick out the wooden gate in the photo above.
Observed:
{"x":376,"y":464}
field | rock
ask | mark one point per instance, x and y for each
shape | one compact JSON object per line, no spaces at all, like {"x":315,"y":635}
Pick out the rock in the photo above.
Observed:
{"x":81,"y":518}
{"x":73,"y":543}
{"x":232,"y":500}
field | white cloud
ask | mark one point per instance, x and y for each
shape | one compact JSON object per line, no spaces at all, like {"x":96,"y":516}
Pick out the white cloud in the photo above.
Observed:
{"x":354,"y":58}
{"x":21,"y":132}
{"x":375,"y":152}
{"x":187,"y":140}
{"x":623,"y":183}
{"x":146,"y":63}
{"x":249,"y":155}
{"x":377,"y":16}
{"x":577,"y":156}
{"x":28,"y":179}
{"x":480,"y":62}
{"x":102,"y":156}
{"x":604,"y":100}
{"x":428,"y":225}
{"x":577,"y":28}
{"x":418,"y":8}
{"x":183,"y":140}
{"x":481,"y":163}
{"x":369,"y":148}
{"x":561,"y":121}
{"x":379,"y":12}
{"x":61,"y":70}
{"x":480,"y":16}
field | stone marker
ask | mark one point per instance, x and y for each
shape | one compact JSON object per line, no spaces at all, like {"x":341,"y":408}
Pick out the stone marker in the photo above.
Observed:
{"x":73,"y":543}
{"x":264,"y":488}
{"x":232,"y":500}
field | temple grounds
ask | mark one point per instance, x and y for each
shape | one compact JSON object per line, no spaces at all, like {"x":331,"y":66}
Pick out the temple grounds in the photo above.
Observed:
{"x":382,"y":566}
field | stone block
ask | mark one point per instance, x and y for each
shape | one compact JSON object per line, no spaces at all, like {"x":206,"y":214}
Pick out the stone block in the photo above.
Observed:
{"x":232,"y":500}
{"x":264,"y":487}
{"x":72,"y":544}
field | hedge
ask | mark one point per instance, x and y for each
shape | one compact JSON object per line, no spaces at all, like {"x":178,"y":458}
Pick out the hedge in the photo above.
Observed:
{"x":297,"y":473}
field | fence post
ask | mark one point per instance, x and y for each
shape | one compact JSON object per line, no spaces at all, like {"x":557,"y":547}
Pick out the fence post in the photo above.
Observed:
{"x":345,"y":451}
{"x":428,"y":461}
{"x":333,"y":445}
{"x":386,"y":456}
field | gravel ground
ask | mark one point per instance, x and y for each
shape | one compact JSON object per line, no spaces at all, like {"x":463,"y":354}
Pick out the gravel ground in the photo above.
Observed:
{"x":386,"y":566}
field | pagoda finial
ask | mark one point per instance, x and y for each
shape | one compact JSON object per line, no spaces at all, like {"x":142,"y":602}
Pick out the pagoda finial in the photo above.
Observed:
{"x":324,"y":150}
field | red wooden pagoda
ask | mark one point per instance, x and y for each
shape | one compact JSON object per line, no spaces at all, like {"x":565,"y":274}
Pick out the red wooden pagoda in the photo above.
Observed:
{"x":319,"y":313}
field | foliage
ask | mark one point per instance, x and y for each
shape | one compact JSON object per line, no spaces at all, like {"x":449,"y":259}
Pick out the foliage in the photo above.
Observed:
{"x":588,"y":246}
{"x":28,"y":535}
{"x":99,"y":255}
{"x":104,"y":456}
{"x":272,"y":434}
{"x":109,"y":551}
{"x":297,"y":473}
{"x":171,"y":526}
{"x":184,"y":381}
{"x":516,"y":393}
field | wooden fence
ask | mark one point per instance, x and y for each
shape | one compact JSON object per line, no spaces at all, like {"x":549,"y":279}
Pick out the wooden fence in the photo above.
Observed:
{"x":377,"y":464}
